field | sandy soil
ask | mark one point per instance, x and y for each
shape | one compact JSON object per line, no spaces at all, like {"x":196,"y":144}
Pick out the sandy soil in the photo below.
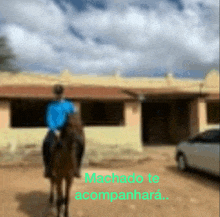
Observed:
{"x":24,"y":192}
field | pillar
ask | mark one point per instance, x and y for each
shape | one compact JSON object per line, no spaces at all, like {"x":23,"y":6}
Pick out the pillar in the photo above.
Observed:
{"x":133,"y":124}
{"x":198,"y":116}
{"x":5,"y":114}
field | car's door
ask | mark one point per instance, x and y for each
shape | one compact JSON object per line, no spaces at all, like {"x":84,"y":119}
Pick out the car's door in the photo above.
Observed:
{"x":195,"y":151}
{"x":213,"y":162}
{"x":190,"y":151}
{"x":200,"y":160}
{"x":206,"y":156}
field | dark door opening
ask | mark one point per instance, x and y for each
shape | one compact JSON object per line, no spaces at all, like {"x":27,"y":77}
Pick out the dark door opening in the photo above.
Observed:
{"x":155,"y":125}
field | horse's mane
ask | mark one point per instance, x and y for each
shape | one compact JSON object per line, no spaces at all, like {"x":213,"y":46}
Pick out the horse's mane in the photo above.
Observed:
{"x":73,"y":126}
{"x":74,"y":122}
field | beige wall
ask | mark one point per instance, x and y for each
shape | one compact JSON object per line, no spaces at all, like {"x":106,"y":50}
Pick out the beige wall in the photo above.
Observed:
{"x":4,"y":114}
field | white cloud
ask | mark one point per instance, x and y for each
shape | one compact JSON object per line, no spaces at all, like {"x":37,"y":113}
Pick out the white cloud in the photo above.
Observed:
{"x":35,"y":15}
{"x":30,"y":47}
{"x":135,"y":39}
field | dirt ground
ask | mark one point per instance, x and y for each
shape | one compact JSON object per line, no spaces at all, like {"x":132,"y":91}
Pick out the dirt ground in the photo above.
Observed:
{"x":24,"y":191}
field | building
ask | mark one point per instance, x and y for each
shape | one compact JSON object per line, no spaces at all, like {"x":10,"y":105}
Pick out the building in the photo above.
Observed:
{"x":126,"y":112}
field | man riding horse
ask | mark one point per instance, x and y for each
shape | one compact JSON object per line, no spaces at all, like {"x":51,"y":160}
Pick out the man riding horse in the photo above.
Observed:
{"x":56,"y":119}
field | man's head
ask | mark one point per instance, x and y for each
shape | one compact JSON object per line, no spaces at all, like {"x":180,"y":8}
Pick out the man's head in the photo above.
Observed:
{"x":58,"y":91}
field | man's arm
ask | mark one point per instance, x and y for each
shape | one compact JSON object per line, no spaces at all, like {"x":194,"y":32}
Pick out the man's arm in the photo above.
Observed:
{"x":72,"y":108}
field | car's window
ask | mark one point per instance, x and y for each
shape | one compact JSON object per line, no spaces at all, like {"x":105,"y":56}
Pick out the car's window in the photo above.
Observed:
{"x":210,"y":136}
{"x":215,"y":137}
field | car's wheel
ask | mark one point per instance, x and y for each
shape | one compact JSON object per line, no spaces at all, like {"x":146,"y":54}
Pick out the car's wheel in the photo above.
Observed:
{"x":182,"y":164}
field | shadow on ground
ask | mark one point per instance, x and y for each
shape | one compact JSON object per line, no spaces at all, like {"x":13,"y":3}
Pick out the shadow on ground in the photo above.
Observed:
{"x":33,"y":204}
{"x":206,"y":179}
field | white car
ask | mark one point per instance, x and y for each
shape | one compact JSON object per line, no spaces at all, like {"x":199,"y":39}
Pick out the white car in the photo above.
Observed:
{"x":200,"y":152}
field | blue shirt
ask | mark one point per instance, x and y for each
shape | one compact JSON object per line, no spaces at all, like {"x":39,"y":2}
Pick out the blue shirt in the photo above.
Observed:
{"x":57,"y":113}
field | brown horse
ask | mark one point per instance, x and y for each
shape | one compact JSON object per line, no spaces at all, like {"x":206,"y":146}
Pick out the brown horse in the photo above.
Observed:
{"x":64,"y":163}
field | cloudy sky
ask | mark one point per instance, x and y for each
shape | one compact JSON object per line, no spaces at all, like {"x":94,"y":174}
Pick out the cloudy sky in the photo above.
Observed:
{"x":141,"y":37}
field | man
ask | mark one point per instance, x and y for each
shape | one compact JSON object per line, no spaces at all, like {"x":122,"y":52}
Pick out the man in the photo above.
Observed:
{"x":56,"y":118}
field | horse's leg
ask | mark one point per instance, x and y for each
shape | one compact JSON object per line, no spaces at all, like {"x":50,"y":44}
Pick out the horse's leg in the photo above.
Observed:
{"x":51,"y":200}
{"x":59,"y":196}
{"x":67,"y":195}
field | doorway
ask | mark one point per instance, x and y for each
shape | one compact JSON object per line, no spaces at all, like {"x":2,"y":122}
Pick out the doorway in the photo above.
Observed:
{"x":155,"y":123}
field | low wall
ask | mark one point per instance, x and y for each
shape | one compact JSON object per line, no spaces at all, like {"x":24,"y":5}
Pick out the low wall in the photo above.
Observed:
{"x":22,"y":137}
{"x":101,"y":142}
{"x":115,"y":136}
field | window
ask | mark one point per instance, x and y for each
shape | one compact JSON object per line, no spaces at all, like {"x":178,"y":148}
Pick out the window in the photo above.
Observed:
{"x":213,"y":110}
{"x":28,"y":113}
{"x":102,"y":113}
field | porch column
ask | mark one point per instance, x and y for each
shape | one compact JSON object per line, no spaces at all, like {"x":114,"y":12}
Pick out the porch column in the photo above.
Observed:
{"x":198,"y":116}
{"x":5,"y":116}
{"x":133,"y":125}
{"x":5,"y":112}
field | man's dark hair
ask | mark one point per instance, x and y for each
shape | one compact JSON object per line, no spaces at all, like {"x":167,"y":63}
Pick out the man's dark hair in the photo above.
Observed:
{"x":58,"y":89}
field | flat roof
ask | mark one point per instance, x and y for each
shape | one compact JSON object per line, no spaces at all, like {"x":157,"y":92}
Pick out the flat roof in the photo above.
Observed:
{"x":164,"y":93}
{"x":88,"y":92}
{"x":100,"y":93}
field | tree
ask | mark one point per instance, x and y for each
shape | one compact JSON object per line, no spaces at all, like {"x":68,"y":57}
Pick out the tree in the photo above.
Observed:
{"x":6,"y":57}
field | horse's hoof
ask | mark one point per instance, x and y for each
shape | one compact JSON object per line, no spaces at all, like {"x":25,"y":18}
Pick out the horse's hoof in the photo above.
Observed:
{"x":77,"y":175}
